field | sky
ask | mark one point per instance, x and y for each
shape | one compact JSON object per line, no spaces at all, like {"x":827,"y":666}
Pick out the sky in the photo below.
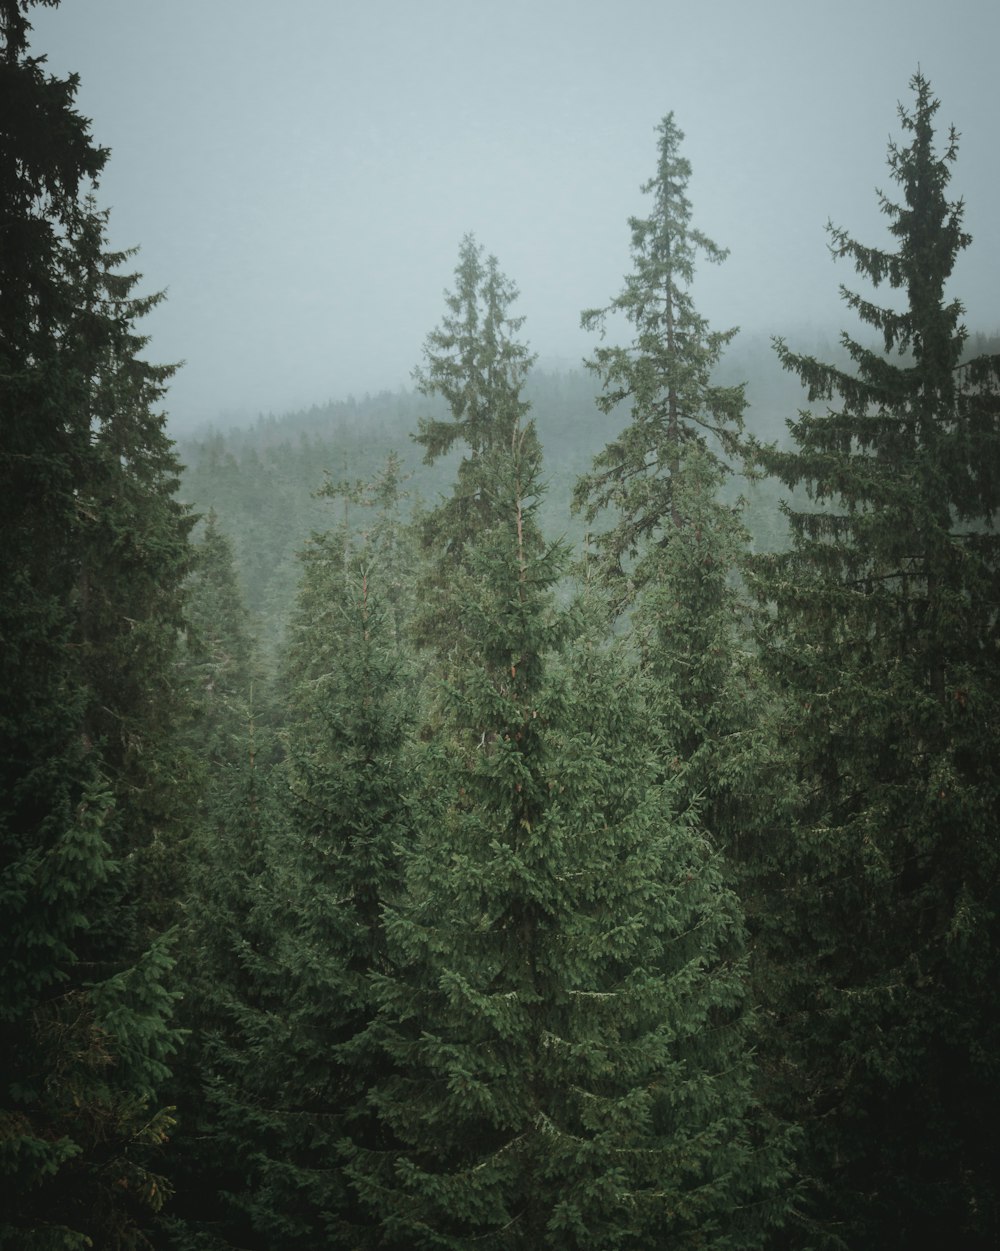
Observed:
{"x":298,"y":177}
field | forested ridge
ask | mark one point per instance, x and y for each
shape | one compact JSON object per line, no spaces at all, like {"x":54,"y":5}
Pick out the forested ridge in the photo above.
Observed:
{"x":544,"y":810}
{"x":265,"y":481}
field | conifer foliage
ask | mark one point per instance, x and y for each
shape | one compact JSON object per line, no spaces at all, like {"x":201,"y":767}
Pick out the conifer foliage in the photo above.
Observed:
{"x":563,"y":1018}
{"x":464,"y":963}
{"x":682,"y":422}
{"x":476,"y":363}
{"x":219,"y":647}
{"x":348,"y":825}
{"x":287,"y":915}
{"x":667,"y":545}
{"x":236,"y":994}
{"x":881,"y":625}
{"x":91,"y":565}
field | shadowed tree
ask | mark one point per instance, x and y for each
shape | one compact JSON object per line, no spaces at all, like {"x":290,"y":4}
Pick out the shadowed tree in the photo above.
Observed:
{"x":881,"y":624}
{"x":93,"y":558}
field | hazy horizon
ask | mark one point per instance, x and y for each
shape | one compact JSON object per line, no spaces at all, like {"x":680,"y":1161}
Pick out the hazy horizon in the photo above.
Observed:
{"x":300,"y":184}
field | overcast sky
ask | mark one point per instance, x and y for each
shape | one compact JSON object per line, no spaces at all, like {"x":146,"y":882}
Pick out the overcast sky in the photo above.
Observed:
{"x":299,"y":176}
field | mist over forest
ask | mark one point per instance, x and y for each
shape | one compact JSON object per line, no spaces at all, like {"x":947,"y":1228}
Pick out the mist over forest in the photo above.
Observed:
{"x":298,"y":184}
{"x":545,"y":795}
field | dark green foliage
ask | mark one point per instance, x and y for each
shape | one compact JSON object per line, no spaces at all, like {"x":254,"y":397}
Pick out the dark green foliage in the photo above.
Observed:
{"x":132,"y":559}
{"x":564,"y":1018}
{"x":263,"y":480}
{"x":218,"y":637}
{"x":373,"y":542}
{"x":475,"y":363}
{"x":287,"y":914}
{"x":349,"y":824}
{"x":350,"y":810}
{"x":238,"y":916}
{"x":218,"y":861}
{"x":881,"y":626}
{"x":463,"y":962}
{"x":220,"y":653}
{"x":93,"y":556}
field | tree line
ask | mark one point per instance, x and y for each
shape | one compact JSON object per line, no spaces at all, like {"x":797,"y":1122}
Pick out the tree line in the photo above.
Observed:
{"x":641,"y":894}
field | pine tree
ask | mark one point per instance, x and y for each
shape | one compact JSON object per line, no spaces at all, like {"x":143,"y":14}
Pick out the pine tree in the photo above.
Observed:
{"x":881,"y":624}
{"x":563,"y":1015}
{"x":133,"y":559}
{"x":371,"y":541}
{"x":347,"y":777}
{"x":225,"y":860}
{"x":93,"y":554}
{"x":220,"y":663}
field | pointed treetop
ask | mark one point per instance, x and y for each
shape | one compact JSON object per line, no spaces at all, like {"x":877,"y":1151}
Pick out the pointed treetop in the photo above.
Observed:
{"x":474,"y":360}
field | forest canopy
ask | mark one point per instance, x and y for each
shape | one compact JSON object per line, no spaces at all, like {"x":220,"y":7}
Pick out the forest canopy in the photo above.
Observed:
{"x":540,"y":810}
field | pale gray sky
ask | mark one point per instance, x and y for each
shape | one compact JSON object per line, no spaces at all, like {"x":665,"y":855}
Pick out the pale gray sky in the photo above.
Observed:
{"x":299,"y":176}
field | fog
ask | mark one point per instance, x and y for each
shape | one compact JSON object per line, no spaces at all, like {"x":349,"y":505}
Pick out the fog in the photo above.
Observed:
{"x":299,"y":177}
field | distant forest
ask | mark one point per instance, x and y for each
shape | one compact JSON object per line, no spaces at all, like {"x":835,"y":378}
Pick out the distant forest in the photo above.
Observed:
{"x":531,"y":811}
{"x":262,"y":480}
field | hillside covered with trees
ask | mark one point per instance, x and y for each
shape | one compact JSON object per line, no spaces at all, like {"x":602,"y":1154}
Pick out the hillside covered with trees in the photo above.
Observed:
{"x":538,"y":810}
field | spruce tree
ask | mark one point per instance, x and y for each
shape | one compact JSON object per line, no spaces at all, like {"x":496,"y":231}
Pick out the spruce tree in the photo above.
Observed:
{"x":881,"y":625}
{"x":219,"y":648}
{"x":132,"y":560}
{"x":475,"y":362}
{"x":669,"y":547}
{"x":93,"y":557}
{"x":563,"y":1014}
{"x":348,"y":822}
{"x":224,"y":859}
{"x":682,"y":423}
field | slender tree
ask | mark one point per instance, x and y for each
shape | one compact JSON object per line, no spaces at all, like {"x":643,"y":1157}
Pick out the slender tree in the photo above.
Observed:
{"x":475,"y":362}
{"x":225,"y":863}
{"x":219,"y":644}
{"x":669,"y":547}
{"x":678,"y":413}
{"x":881,"y":624}
{"x":236,"y":999}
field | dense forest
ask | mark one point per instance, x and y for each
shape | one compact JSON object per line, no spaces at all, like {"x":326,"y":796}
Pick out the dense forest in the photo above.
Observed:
{"x":544,"y":810}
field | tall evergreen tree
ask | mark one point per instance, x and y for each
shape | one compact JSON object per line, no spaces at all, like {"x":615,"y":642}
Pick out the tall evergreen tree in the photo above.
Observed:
{"x":563,"y":1018}
{"x":881,"y":624}
{"x":93,"y":555}
{"x":476,"y":363}
{"x":670,"y":547}
{"x":132,"y":561}
{"x":682,"y":422}
{"x":226,"y":863}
